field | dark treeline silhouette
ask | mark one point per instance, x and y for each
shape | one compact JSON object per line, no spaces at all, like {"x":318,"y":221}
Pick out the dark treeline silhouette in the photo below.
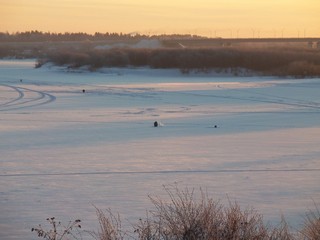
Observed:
{"x":38,"y":36}
{"x":267,"y":61}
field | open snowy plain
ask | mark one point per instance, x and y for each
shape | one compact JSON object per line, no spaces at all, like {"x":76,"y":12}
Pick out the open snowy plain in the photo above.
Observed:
{"x":63,"y":151}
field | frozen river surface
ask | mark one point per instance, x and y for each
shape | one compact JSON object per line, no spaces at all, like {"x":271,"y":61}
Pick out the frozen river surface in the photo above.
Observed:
{"x":63,"y":150}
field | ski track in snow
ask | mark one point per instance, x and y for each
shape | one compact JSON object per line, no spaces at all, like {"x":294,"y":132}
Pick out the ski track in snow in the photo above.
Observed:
{"x":271,"y":98}
{"x":162,"y":172}
{"x":274,"y":99}
{"x":26,"y":98}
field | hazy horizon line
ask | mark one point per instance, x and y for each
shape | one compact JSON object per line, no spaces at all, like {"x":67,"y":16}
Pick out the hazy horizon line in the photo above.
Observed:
{"x":213,"y":34}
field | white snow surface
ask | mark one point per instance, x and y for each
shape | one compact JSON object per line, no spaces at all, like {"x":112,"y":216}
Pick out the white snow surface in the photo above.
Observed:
{"x":64,"y":150}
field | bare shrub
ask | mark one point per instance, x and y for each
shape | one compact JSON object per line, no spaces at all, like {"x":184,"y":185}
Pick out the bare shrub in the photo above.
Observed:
{"x":281,"y":232}
{"x":116,"y":58}
{"x":109,"y":226}
{"x":311,"y":229}
{"x":189,"y":218}
{"x":243,"y":224}
{"x":139,"y":57}
{"x":58,"y":231}
{"x":40,"y":63}
{"x":302,"y":69}
{"x":185,"y":215}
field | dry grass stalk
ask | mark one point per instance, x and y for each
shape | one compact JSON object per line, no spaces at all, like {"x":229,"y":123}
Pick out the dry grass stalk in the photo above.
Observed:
{"x":183,"y":216}
{"x":311,"y":229}
{"x":109,"y":226}
{"x":188,"y":218}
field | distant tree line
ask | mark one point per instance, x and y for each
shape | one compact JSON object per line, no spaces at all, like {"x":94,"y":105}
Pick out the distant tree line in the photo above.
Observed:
{"x":38,"y":36}
{"x":80,"y":49}
{"x":267,"y":61}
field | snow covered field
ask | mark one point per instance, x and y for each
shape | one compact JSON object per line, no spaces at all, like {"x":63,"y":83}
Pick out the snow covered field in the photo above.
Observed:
{"x":63,"y":151}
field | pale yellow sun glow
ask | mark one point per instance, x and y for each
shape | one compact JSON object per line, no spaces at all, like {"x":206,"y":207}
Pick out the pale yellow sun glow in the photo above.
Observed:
{"x":225,"y":18}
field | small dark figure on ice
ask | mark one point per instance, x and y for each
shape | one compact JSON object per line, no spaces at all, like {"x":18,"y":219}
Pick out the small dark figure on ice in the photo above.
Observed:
{"x":83,"y":90}
{"x":155,"y":124}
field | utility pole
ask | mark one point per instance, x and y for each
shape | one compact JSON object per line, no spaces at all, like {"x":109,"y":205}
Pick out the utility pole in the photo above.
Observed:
{"x":253,"y":31}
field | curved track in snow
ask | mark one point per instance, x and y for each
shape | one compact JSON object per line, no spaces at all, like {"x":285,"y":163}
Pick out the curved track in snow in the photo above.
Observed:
{"x":25,"y":98}
{"x":263,"y":98}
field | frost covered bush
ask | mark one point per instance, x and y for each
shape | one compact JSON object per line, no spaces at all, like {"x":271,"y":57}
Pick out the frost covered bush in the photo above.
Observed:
{"x":311,"y":229}
{"x":184,"y":215}
{"x":187,"y":217}
{"x":109,"y":226}
{"x":300,"y":69}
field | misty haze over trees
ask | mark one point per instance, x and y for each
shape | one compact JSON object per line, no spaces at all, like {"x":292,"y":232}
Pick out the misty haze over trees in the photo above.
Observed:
{"x":280,"y":57}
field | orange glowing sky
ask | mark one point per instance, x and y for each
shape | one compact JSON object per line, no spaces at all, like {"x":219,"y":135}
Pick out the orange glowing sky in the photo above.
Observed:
{"x":225,"y":18}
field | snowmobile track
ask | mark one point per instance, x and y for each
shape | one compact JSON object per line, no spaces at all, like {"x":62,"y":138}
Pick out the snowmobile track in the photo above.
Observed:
{"x":26,"y":98}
